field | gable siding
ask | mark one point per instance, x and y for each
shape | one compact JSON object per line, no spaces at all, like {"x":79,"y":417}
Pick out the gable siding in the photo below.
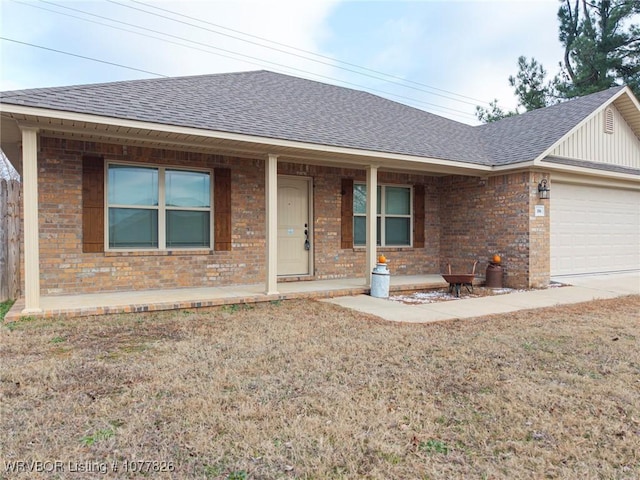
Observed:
{"x":590,"y":143}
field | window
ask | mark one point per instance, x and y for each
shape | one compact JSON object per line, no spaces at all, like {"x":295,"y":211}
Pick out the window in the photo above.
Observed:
{"x":393,"y":216}
{"x":158,"y":208}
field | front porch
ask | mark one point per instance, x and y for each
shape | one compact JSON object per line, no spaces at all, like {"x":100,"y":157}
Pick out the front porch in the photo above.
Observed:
{"x":185,"y":298}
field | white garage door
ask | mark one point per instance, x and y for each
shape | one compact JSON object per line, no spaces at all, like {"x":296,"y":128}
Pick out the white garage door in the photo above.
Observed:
{"x":594,"y":229}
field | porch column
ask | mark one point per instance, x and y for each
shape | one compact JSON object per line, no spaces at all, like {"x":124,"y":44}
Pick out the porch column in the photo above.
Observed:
{"x":271,"y":204}
{"x":372,"y":214}
{"x":30,"y":216}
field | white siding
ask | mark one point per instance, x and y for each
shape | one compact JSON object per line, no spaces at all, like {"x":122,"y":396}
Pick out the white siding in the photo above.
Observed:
{"x":590,"y":143}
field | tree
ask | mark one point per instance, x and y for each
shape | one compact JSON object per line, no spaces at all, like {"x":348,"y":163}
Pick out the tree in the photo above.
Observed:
{"x":529,"y":85}
{"x":601,"y":49}
{"x":530,"y":88}
{"x":601,"y":46}
{"x":493,"y":113}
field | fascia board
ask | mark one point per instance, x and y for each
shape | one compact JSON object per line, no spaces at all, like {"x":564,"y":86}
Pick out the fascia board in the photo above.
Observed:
{"x":589,"y":178}
{"x":513,"y":166}
{"x":566,"y":170}
{"x":631,"y":96}
{"x":377,"y":158}
{"x":540,"y":157}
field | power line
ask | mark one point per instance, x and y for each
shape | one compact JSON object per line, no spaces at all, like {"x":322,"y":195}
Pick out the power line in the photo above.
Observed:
{"x":331,"y":64}
{"x":103,"y":61}
{"x":82,"y":56}
{"x":410,"y":99}
{"x":137,"y":69}
{"x":134,"y":32}
{"x":296,"y":49}
{"x":244,"y":55}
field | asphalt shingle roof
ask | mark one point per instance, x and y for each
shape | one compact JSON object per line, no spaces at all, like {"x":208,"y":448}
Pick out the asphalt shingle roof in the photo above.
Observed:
{"x":272,"y":105}
{"x":526,"y":136}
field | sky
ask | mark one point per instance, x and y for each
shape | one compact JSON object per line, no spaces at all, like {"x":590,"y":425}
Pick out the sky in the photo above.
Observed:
{"x":444,"y":57}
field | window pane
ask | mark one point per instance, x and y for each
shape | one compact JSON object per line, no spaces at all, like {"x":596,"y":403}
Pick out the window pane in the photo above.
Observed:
{"x":133,"y":227}
{"x":359,"y":230}
{"x":398,"y":201}
{"x":187,"y":189}
{"x":129,"y":185}
{"x":187,"y":229}
{"x":397,"y":231}
{"x":359,"y":199}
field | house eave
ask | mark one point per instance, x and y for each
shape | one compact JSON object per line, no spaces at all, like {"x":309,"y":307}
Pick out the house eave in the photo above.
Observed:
{"x":562,"y":167}
{"x":513,"y":166}
{"x":624,"y":101}
{"x":89,"y":127}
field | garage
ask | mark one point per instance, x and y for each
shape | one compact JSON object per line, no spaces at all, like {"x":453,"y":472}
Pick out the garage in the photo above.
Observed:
{"x":594,"y":229}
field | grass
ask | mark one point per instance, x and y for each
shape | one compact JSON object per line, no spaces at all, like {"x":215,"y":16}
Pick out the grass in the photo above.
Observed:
{"x":307,"y":390}
{"x":4,"y":308}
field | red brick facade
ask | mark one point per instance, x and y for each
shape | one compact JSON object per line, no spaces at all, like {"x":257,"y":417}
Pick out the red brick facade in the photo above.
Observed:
{"x":485,"y":216}
{"x":466,"y":218}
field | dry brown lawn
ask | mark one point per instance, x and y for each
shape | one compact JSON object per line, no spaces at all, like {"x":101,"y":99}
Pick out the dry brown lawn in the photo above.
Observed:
{"x":307,"y":390}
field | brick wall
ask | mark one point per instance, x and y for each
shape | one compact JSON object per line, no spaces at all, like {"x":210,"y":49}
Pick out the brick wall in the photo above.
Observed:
{"x":65,"y":269}
{"x":333,"y":262}
{"x":466,"y":218}
{"x":484,"y":216}
{"x":539,"y":234}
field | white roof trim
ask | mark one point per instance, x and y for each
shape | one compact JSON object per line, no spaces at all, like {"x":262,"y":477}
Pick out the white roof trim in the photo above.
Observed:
{"x":570,"y":176}
{"x":624,"y":91}
{"x":214,"y":134}
{"x":559,"y":168}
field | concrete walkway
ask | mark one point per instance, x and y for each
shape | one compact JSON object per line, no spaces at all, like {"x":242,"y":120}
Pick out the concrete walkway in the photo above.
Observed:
{"x":182,"y":298}
{"x":576,"y":290}
{"x":351,"y":293}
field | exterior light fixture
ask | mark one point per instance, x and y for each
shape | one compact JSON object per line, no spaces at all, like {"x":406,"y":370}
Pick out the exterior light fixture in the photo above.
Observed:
{"x":543,"y":189}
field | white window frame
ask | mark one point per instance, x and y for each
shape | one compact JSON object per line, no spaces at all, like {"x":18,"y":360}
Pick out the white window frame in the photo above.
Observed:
{"x":383,"y":215}
{"x":161,"y":207}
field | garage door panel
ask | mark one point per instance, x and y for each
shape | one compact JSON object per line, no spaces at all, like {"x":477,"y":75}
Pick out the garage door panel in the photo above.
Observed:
{"x":594,"y":229}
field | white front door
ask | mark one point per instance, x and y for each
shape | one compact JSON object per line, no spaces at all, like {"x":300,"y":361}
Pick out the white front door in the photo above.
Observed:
{"x":293,"y":226}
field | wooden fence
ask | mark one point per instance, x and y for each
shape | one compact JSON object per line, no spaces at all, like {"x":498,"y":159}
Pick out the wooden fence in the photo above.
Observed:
{"x":9,"y":239}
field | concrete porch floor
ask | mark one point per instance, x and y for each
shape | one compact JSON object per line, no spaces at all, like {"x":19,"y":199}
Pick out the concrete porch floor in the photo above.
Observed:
{"x":183,"y":298}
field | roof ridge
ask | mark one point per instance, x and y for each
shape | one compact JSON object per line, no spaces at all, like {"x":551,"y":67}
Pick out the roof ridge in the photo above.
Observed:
{"x":89,"y":86}
{"x":611,"y":91}
{"x":523,"y":137}
{"x":83,"y":86}
{"x":267,"y":104}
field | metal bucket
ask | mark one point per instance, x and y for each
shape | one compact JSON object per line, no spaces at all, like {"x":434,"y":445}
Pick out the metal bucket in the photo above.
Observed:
{"x":380,"y":280}
{"x":493,"y":277}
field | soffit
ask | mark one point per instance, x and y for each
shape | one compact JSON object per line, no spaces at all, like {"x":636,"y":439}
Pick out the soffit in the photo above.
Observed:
{"x":630,"y":111}
{"x":147,"y":135}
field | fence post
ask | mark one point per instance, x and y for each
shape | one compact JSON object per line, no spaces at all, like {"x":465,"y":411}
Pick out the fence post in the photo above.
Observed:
{"x":13,"y":239}
{"x":4,"y":244}
{"x":9,"y":239}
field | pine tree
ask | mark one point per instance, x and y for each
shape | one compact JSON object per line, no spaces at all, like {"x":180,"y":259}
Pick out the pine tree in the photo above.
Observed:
{"x":601,"y":42}
{"x":601,"y":46}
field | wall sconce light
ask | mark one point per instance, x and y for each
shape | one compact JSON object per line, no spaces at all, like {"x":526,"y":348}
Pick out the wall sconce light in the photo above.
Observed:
{"x":543,"y":189}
